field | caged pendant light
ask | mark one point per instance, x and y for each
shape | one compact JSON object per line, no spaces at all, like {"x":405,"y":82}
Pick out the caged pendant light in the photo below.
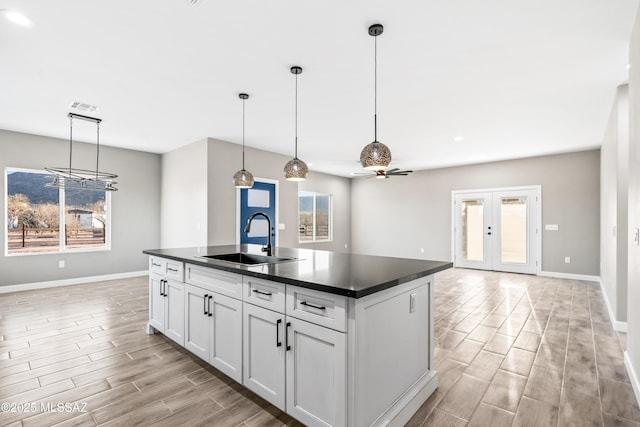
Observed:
{"x":375,"y":156}
{"x":243,"y":178}
{"x":82,"y":179}
{"x":296,"y":169}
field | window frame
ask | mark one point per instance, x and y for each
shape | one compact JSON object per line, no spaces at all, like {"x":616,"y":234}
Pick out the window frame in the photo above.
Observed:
{"x":62,"y":248}
{"x":314,"y":194}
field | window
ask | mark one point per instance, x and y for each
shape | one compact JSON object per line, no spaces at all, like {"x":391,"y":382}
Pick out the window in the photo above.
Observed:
{"x":43,"y":219}
{"x":314,"y":217}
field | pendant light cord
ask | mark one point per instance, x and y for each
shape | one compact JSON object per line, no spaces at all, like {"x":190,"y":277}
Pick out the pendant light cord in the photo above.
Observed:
{"x":70,"y":142}
{"x":98,"y":148}
{"x":375,"y":89}
{"x":243,"y":134}
{"x":296,"y":126}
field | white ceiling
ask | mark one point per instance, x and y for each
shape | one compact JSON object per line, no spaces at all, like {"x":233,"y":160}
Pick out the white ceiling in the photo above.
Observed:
{"x":514,"y":78}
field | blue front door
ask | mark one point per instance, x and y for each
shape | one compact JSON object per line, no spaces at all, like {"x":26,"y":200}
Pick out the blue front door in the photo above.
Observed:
{"x":260,"y":198}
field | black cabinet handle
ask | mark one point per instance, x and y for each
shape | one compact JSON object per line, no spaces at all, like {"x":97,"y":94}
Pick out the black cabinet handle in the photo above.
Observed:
{"x":155,"y":265}
{"x":165,"y":288}
{"x":278,"y":342}
{"x":308,"y":304}
{"x":162,"y":286}
{"x":204,"y":303}
{"x":210,"y":298}
{"x":172,"y":269}
{"x":286,"y":336}
{"x":258,"y":291}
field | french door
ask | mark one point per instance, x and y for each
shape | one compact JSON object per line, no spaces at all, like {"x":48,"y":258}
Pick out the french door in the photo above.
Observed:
{"x":497,"y":229}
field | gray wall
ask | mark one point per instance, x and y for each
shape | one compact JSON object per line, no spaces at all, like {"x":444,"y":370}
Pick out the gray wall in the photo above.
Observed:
{"x":184,"y":196}
{"x":614,"y":186}
{"x":134,"y":208}
{"x":633,"y":315}
{"x":199,"y":199}
{"x":399,"y":216}
{"x":225,"y":159}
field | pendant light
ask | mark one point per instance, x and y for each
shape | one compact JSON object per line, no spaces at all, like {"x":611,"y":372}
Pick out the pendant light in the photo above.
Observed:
{"x":375,"y":156}
{"x":296,"y":169}
{"x":82,"y":179}
{"x":243,"y":178}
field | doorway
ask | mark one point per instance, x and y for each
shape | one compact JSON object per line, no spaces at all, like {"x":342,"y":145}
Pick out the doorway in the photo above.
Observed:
{"x":262,"y":197}
{"x":497,"y":229}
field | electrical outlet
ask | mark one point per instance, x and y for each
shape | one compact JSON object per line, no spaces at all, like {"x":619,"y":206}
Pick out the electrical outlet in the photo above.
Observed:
{"x":567,"y":260}
{"x":345,"y":246}
{"x":421,"y":250}
{"x":61,"y":263}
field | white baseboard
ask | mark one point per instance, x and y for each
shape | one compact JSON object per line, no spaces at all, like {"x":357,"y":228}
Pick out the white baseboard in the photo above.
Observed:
{"x":572,"y":276}
{"x":67,"y":282}
{"x":616,"y":324}
{"x":633,"y":377}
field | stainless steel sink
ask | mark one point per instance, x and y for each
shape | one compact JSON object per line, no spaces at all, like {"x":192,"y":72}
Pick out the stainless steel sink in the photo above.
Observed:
{"x":248,"y":259}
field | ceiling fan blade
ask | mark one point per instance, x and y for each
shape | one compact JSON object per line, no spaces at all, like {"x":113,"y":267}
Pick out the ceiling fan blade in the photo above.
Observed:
{"x":399,"y":173}
{"x":392,"y":171}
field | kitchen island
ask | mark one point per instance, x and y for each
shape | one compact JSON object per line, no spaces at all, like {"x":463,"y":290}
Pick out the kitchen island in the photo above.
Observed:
{"x":333,"y":339}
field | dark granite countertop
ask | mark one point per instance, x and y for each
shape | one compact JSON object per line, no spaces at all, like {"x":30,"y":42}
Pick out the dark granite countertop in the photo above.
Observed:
{"x":346,"y":274}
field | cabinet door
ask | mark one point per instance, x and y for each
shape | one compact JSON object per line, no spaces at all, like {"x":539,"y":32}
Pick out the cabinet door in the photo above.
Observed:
{"x":174,"y":311}
{"x":263,"y":332}
{"x":197,"y":329}
{"x":316,"y":374}
{"x":226,"y":338}
{"x":156,"y":302}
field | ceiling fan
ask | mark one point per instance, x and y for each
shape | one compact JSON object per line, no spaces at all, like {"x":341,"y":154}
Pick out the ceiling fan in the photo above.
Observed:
{"x":384,"y":174}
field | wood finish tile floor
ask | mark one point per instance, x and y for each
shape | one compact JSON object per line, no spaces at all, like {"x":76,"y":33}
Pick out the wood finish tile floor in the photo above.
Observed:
{"x":511,"y":350}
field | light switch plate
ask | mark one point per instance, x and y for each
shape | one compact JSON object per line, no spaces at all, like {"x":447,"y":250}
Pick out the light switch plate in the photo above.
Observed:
{"x":280,"y":226}
{"x":551,"y":227}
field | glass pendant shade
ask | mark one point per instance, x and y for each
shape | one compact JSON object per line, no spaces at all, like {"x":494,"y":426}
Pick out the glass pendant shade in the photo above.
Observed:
{"x":375,"y":156}
{"x":296,"y":170}
{"x":243,"y":179}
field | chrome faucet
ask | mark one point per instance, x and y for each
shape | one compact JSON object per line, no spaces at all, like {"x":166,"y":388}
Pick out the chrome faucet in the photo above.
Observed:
{"x":267,"y":248}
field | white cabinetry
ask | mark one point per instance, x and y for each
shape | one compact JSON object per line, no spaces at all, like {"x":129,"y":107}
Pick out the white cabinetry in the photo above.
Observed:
{"x":298,"y":366}
{"x":213,"y":322}
{"x":166,"y":298}
{"x":325,"y":359}
{"x":264,"y":361}
{"x":316,"y":374}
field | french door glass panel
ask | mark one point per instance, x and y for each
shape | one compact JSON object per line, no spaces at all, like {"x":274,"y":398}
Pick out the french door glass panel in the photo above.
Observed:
{"x":496,"y":230}
{"x":513,"y":223}
{"x":473,"y":230}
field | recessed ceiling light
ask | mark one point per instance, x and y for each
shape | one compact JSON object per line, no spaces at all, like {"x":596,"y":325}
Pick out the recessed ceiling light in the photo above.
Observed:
{"x":628,"y":66}
{"x":16,"y":17}
{"x":458,"y":138}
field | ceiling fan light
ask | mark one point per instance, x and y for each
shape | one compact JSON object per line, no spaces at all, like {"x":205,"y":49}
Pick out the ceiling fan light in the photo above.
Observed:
{"x":375,"y":156}
{"x":243,"y":179}
{"x":296,"y":170}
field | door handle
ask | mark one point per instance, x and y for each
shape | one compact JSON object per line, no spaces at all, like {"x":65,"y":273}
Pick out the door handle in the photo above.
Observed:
{"x":278,"y":342}
{"x":317,"y":307}
{"x":210,"y":298}
{"x":286,"y":336}
{"x":204,"y":303}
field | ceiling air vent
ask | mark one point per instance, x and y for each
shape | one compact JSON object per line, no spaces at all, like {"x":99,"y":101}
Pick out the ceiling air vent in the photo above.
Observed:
{"x":83,"y":107}
{"x":193,"y":2}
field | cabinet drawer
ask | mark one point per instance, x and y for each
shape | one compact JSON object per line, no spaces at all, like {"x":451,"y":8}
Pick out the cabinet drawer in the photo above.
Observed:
{"x":167,"y":267}
{"x":222,"y":282}
{"x":321,"y":308}
{"x":264,"y":293}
